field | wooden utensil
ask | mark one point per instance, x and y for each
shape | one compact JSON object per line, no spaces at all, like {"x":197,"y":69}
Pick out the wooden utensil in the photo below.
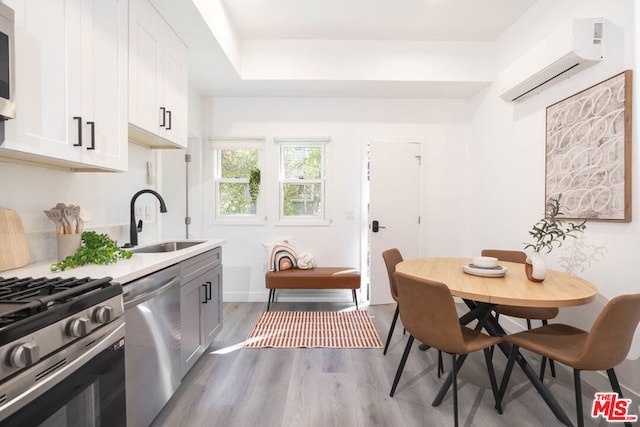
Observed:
{"x":56,"y":216}
{"x":79,"y":222}
{"x":63,"y":220}
{"x":69,"y":217}
{"x":14,"y":250}
{"x":83,"y":216}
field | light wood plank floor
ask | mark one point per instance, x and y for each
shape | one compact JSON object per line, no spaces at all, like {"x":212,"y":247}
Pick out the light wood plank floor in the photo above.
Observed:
{"x":232,"y":386}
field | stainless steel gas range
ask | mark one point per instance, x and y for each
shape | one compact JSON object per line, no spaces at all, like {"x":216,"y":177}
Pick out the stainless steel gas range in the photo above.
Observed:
{"x":61,"y":352}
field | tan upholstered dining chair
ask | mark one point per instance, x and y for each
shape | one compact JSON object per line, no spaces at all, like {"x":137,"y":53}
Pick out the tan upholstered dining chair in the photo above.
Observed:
{"x":429,"y":314}
{"x":393,"y":257}
{"x":600,"y":349}
{"x":528,"y":313}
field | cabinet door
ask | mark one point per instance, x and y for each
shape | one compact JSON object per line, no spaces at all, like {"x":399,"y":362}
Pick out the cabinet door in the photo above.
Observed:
{"x":158,"y":78}
{"x":175,"y":90}
{"x":42,"y":120}
{"x":71,"y":69}
{"x":200,"y":314}
{"x":146,"y":63}
{"x":192,"y":295}
{"x":104,"y":29}
{"x":213,"y":310}
{"x":200,"y":299}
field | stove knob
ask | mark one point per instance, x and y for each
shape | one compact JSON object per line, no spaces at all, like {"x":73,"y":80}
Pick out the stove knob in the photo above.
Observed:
{"x":24,"y":355}
{"x":79,"y":327}
{"x":103,"y":314}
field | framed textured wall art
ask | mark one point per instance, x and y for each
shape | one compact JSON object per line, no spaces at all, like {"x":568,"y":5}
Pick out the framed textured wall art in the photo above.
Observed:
{"x":588,"y":151}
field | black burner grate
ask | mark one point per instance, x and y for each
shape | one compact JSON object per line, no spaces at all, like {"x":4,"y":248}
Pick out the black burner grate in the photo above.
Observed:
{"x":22,"y":298}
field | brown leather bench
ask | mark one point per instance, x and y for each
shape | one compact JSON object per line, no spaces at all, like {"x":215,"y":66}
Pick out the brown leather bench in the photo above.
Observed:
{"x":313,"y":278}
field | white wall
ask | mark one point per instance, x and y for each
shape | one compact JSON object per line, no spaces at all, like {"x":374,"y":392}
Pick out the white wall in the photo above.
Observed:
{"x":484,"y":183}
{"x":508,"y":152}
{"x":510,"y":142}
{"x":350,"y":123}
{"x":30,"y":190}
{"x":172,"y":177}
{"x":358,"y":60}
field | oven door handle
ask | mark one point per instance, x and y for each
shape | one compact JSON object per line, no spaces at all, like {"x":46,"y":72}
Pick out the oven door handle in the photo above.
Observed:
{"x":91,"y":350}
{"x":148,"y":295}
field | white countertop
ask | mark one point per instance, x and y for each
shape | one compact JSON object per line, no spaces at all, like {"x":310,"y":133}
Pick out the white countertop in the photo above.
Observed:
{"x":124,"y":271}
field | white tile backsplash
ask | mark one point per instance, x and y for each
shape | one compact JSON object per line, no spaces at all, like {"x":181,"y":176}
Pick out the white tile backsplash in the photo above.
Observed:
{"x":42,"y":244}
{"x":106,"y":196}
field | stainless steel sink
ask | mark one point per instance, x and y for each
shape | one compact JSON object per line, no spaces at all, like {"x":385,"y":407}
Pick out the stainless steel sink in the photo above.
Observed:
{"x":171,"y":246}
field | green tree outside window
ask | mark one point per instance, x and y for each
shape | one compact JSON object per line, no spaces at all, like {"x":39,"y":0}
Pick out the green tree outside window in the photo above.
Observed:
{"x":303,"y":181}
{"x":233,"y":185}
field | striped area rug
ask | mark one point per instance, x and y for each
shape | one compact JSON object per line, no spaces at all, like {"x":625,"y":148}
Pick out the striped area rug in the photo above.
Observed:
{"x":289,"y":329}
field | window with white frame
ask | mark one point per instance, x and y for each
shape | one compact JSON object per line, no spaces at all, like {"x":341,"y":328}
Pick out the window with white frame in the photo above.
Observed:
{"x":302,"y":181}
{"x":237,"y":179}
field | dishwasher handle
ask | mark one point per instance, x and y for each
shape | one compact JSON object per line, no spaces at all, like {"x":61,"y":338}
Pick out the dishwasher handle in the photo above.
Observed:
{"x":166,"y":286}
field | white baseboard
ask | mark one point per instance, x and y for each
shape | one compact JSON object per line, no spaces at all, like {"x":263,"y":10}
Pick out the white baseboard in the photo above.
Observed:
{"x":295,"y":295}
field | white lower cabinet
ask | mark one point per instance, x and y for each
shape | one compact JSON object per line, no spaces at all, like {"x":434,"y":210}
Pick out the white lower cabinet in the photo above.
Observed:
{"x":200,"y":305}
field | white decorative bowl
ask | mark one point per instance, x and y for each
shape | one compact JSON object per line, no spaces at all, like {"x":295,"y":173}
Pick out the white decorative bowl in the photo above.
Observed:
{"x":484,"y":261}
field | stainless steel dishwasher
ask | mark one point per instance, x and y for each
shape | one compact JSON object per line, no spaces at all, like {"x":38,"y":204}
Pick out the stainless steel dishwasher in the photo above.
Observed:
{"x":152,"y":352}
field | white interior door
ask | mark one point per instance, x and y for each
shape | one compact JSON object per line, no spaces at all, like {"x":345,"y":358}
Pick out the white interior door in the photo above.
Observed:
{"x":394,"y":194}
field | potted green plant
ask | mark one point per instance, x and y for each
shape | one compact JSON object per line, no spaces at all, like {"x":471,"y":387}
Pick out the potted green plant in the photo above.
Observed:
{"x":547,"y":234}
{"x":254,"y":184}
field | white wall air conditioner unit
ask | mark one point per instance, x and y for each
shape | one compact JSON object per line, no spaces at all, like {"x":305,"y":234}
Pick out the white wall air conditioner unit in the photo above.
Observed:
{"x":563,"y":54}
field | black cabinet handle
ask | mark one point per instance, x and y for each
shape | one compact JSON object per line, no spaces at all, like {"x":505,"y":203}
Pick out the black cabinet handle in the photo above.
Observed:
{"x":93,"y":135}
{"x":208,"y":291}
{"x":79,"y":143}
{"x":164,"y":114}
{"x":205,"y":294}
{"x":169,"y":113}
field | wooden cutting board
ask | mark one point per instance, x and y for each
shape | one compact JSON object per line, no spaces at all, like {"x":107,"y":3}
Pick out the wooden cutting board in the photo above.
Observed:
{"x":14,"y":251}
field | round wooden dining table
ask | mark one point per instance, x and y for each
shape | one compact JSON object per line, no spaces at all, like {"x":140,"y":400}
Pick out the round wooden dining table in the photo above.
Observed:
{"x":481,"y":294}
{"x":557,"y":290}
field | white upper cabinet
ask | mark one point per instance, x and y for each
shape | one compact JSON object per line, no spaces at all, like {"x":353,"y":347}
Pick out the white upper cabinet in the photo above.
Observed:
{"x":158,"y":85}
{"x":71,"y":84}
{"x":105,"y":81}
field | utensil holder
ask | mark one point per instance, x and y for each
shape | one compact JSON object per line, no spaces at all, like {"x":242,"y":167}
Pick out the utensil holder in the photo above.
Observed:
{"x":68,"y":244}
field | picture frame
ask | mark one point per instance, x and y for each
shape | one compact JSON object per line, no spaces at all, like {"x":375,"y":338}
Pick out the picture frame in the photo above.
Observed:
{"x":588,"y":151}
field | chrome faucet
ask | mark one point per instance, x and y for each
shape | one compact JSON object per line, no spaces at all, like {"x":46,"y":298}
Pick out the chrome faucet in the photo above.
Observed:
{"x":133,"y":228}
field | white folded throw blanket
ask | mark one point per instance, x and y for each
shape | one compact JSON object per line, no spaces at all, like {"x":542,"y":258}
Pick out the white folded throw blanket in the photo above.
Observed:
{"x":306,"y":261}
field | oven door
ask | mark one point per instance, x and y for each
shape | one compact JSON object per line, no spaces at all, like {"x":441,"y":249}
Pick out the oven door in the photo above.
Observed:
{"x":92,"y":394}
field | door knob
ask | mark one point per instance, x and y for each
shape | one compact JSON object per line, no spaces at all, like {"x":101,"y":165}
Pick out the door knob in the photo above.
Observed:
{"x":375,"y":226}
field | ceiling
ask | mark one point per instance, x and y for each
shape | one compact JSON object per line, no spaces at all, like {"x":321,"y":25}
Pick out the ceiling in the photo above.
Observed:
{"x":451,"y":20}
{"x":212,"y":73}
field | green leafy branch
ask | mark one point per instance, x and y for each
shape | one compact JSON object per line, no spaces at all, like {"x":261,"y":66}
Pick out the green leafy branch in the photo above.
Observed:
{"x":254,"y":183}
{"x":550,"y":231}
{"x":96,"y":249}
